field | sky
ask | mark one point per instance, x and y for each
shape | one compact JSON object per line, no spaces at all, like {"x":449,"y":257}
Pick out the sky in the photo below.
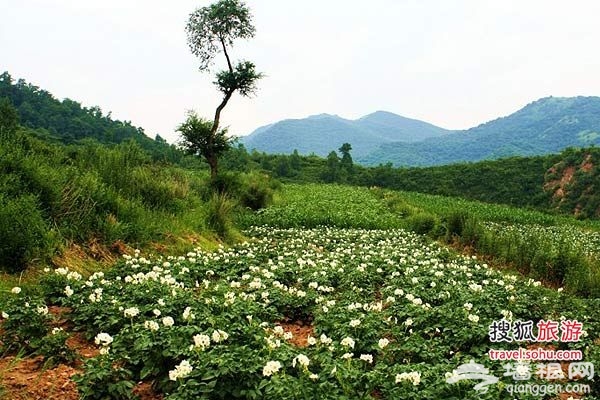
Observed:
{"x":455,"y":64}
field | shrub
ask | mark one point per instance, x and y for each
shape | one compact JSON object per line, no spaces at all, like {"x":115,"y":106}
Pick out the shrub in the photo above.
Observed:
{"x":422,"y":223}
{"x":220,"y":208}
{"x":455,"y":224}
{"x":23,"y":232}
{"x":257,"y":191}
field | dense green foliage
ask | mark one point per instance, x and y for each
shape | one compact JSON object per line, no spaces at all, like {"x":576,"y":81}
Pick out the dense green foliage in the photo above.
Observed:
{"x":556,"y":249}
{"x":391,"y":316}
{"x":517,"y":181}
{"x":68,"y":122}
{"x":51,"y":193}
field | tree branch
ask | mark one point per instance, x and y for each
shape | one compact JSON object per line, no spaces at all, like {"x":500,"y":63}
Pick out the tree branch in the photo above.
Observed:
{"x":226,"y":55}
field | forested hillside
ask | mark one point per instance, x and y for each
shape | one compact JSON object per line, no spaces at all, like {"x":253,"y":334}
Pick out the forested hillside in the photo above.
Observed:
{"x":69,"y":122}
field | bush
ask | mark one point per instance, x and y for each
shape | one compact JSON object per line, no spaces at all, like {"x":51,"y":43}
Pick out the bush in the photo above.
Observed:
{"x":23,"y":232}
{"x":422,"y":223}
{"x":257,"y":191}
{"x":226,"y":183}
{"x":455,"y":224}
{"x":220,"y":208}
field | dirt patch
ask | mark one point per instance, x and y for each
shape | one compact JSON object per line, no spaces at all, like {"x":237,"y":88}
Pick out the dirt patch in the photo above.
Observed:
{"x":145,"y":392}
{"x":587,"y":164}
{"x":27,"y":380}
{"x":300,"y":330}
{"x":81,"y":346}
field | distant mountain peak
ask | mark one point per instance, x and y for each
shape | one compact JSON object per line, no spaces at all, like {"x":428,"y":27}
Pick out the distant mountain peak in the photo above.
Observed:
{"x":323,"y":133}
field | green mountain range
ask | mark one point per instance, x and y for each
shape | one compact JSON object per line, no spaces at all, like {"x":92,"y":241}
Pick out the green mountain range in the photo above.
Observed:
{"x":319,"y":134}
{"x":547,"y":125}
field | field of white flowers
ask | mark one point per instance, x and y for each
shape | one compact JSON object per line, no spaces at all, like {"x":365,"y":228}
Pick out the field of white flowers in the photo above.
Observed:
{"x":389,"y":315}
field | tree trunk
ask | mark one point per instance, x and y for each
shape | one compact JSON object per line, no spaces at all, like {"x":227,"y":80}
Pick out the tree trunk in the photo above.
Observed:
{"x":214,"y":167}
{"x":212,"y":157}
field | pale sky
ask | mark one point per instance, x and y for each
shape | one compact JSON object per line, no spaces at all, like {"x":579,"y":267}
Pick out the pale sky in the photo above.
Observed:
{"x":455,"y":63}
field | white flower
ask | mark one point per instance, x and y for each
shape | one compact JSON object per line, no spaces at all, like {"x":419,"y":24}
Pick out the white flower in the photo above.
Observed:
{"x":354,"y":323}
{"x":399,"y":292}
{"x":181,"y":371}
{"x":273,"y":344}
{"x":271,"y":367}
{"x":56,"y":331}
{"x":156,"y":312}
{"x":302,"y":360}
{"x":202,"y":341}
{"x":408,"y":322}
{"x":4,"y":315}
{"x":508,"y":315}
{"x":288,"y":335}
{"x":103,"y":339}
{"x":42,"y":310}
{"x":131,"y":312}
{"x":383,"y":343}
{"x":313,"y":377}
{"x":104,"y":351}
{"x":325,"y":340}
{"x":219,"y":336}
{"x":278,"y":330}
{"x":151,"y":325}
{"x":473,"y":318}
{"x":16,"y":290}
{"x":475,"y":287}
{"x":414,"y":377}
{"x":68,"y":291}
{"x":311,"y":341}
{"x":348,"y":342}
{"x":188,"y":315}
{"x":468,"y":306}
{"x":367,"y":358}
{"x":168,"y":321}
{"x":347,"y":356}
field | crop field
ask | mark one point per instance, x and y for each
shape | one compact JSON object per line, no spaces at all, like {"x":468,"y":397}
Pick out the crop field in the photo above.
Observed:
{"x":327,"y":298}
{"x":300,"y":313}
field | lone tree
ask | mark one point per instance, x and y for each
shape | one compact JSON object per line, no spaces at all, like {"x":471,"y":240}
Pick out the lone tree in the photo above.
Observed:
{"x":346,"y":162}
{"x":210,"y":31}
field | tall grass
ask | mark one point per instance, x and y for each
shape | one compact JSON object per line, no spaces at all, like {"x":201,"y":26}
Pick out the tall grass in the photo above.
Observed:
{"x":52,"y":194}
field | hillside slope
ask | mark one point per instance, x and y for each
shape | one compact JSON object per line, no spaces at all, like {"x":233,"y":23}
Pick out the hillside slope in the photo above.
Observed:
{"x":574,"y":183}
{"x":69,"y":122}
{"x":545,"y":126}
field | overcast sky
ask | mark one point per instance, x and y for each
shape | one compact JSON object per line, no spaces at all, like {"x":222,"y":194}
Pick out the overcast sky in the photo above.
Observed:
{"x":455,"y":64}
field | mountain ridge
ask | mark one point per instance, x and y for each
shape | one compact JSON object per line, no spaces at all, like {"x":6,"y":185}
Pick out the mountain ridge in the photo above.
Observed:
{"x":546,"y":125}
{"x":322,"y":133}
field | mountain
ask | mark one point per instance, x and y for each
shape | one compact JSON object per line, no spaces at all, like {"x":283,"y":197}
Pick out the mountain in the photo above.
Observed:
{"x":323,"y":133}
{"x":547,"y":125}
